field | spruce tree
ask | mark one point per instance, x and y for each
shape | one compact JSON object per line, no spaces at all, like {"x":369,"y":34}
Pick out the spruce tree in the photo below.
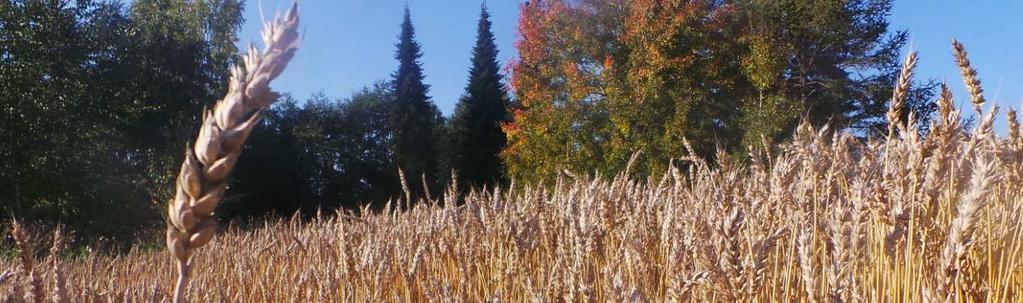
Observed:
{"x":476,"y":125}
{"x":415,"y":118}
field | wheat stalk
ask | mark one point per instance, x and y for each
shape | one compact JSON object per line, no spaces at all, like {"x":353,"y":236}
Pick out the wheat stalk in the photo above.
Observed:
{"x":203,"y":177}
{"x":986,"y":128}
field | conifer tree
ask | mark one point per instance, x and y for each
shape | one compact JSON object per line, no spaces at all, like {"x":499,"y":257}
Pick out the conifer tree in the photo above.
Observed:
{"x":415,"y":118}
{"x":476,"y":125}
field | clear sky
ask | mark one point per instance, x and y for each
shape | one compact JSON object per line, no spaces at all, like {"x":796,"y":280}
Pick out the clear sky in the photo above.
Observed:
{"x":992,"y":33}
{"x":349,"y":44}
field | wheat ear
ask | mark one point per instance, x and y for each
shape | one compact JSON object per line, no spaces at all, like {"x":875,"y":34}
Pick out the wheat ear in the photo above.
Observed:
{"x":1013,"y":125}
{"x":900,"y":92}
{"x":804,"y":249}
{"x":203,"y":178}
{"x":961,"y":232}
{"x":969,"y":76}
{"x":946,"y":112}
{"x":59,"y":289}
{"x":25,"y":250}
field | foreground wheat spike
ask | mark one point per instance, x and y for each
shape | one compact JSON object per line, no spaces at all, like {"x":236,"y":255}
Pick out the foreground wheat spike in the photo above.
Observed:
{"x":203,"y":177}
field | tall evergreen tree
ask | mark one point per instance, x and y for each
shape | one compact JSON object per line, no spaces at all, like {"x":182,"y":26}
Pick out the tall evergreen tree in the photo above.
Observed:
{"x":415,"y":118}
{"x":476,"y":125}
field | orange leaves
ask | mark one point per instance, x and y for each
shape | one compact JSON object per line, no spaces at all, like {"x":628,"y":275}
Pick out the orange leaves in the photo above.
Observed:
{"x":514,"y":135}
{"x":512,"y":129}
{"x":530,"y":42}
{"x":576,"y":85}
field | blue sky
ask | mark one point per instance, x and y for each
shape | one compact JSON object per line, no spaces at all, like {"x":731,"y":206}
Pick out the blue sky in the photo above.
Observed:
{"x":349,"y":44}
{"x":993,"y":36}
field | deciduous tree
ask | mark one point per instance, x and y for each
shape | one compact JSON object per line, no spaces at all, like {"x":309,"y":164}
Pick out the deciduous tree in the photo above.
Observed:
{"x":599,"y":80}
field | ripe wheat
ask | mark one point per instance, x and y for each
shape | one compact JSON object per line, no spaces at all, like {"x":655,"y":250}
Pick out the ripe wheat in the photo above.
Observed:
{"x":969,"y":76}
{"x":203,"y":178}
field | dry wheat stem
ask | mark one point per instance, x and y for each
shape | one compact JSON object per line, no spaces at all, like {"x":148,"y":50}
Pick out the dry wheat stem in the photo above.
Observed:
{"x":203,"y":177}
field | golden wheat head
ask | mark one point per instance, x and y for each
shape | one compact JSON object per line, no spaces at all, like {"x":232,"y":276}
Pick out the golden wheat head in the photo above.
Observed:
{"x":203,"y":177}
{"x":899,"y":93}
{"x":969,"y":75}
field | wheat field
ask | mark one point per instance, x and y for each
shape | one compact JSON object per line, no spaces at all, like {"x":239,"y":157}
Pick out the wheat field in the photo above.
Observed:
{"x":827,"y":216}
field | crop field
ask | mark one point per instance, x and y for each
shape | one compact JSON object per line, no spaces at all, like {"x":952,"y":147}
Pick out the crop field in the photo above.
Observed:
{"x":827,"y":218}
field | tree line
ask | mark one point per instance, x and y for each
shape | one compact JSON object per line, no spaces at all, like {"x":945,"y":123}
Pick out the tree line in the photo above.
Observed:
{"x":97,"y":101}
{"x":330,"y":154}
{"x":100,"y":98}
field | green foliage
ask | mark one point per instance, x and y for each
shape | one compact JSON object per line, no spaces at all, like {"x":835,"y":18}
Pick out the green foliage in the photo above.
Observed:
{"x":324,"y":155}
{"x":368,"y":171}
{"x":839,"y":60}
{"x":415,"y":120}
{"x":98,"y":101}
{"x":61,"y":159}
{"x":180,"y":54}
{"x":476,"y":125}
{"x":271,"y":172}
